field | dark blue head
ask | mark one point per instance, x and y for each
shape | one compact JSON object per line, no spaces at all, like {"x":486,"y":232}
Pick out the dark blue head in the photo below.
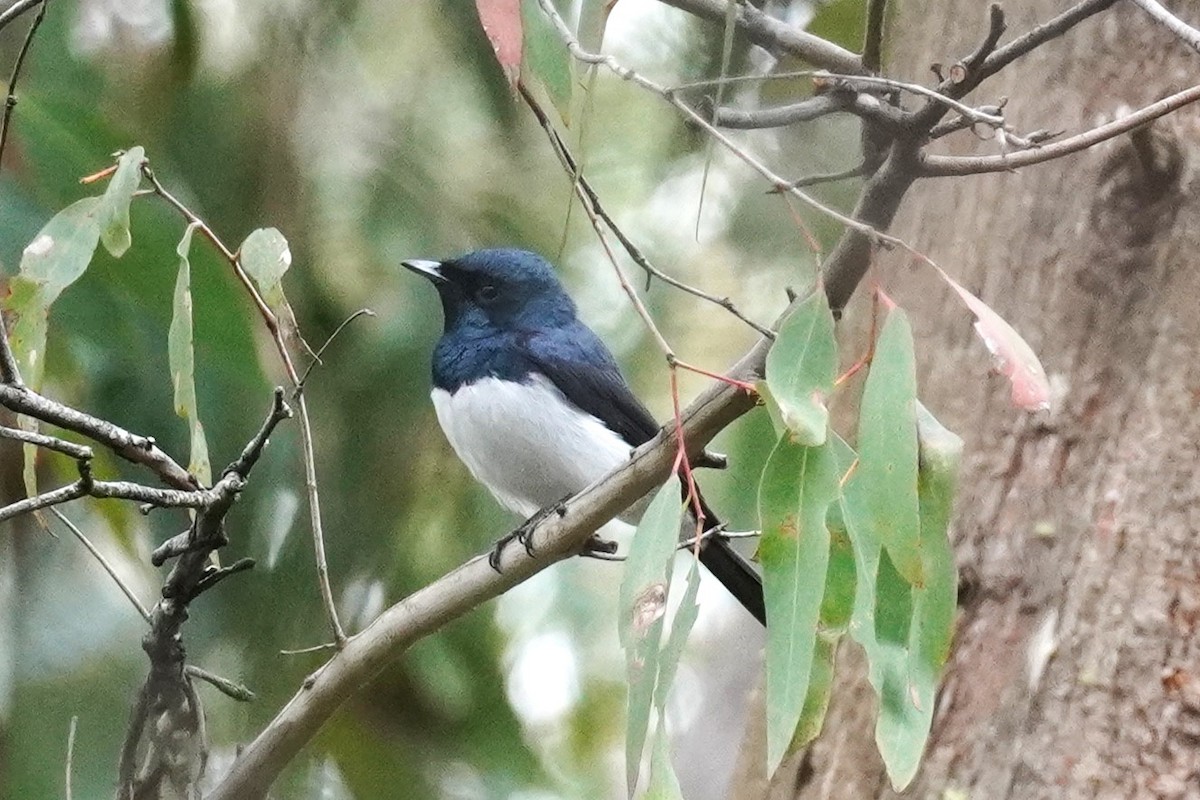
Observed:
{"x":498,"y":290}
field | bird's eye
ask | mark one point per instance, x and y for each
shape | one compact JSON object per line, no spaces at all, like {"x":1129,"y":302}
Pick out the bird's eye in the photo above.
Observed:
{"x":487,"y":292}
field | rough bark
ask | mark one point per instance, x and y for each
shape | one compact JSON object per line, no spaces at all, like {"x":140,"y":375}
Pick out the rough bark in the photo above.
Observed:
{"x":1076,"y":671}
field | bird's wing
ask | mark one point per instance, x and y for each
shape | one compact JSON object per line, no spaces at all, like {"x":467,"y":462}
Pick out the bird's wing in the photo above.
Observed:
{"x":582,"y":368}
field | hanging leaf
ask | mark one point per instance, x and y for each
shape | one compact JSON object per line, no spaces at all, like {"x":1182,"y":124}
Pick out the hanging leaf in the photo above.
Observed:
{"x":800,"y":370}
{"x":501,"y":20}
{"x":643,"y":605}
{"x":664,"y":785}
{"x":887,"y":447}
{"x":113,"y":211}
{"x":798,"y":484}
{"x":663,"y":782}
{"x":837,"y":606}
{"x":547,"y":58}
{"x":1015,"y":359}
{"x":181,"y":357}
{"x":906,"y":630}
{"x":266,"y":257}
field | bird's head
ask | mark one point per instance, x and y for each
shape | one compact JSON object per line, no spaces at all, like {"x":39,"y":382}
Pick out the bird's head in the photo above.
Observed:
{"x":502,"y":289}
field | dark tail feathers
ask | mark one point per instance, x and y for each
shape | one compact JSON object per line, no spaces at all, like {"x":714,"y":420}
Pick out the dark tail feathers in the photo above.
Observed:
{"x":735,"y":573}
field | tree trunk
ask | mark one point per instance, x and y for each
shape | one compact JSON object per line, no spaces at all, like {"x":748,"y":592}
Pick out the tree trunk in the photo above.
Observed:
{"x":1076,"y":670}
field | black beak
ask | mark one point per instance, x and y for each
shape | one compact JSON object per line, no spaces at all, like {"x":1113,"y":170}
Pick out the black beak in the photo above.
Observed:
{"x":427,"y":269}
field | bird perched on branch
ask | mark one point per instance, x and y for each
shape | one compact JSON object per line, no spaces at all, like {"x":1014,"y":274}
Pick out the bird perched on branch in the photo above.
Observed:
{"x":531,"y":399}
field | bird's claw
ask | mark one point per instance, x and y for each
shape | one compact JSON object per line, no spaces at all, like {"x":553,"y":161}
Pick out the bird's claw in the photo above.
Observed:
{"x":524,"y":533}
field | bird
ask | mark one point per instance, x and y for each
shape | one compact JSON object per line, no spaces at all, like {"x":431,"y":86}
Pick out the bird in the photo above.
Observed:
{"x":533,"y":402}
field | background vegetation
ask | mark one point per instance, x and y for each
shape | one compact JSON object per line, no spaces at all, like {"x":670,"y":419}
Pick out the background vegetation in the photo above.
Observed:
{"x":368,"y":132}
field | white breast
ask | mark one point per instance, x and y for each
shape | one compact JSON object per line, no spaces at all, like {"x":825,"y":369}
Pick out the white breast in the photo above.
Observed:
{"x":525,"y":441}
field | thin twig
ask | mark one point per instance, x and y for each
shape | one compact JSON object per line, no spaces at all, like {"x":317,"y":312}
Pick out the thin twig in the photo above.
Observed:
{"x":1161,"y":15}
{"x":872,"y":55}
{"x":130,"y":446}
{"x":865,"y":106}
{"x":108,"y":490}
{"x":570,"y":165}
{"x":70,"y":757}
{"x":935,"y":166}
{"x":9,"y":373}
{"x":775,"y":36}
{"x":78,"y":451}
{"x":227,"y":687}
{"x":11,"y":101}
{"x":112,"y":573}
{"x":815,"y":180}
{"x":316,"y":359}
{"x":306,"y":434}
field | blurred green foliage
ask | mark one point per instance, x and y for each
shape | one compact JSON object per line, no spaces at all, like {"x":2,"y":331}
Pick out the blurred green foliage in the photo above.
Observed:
{"x":366,"y":131}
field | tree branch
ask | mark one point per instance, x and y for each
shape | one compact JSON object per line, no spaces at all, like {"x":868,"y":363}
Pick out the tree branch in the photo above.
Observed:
{"x":865,"y":106}
{"x":306,"y":434}
{"x":11,"y":101}
{"x":935,"y":166}
{"x":424,"y":612}
{"x":777,"y":37}
{"x":129,"y":446}
{"x":1174,"y":24}
{"x":77,"y":451}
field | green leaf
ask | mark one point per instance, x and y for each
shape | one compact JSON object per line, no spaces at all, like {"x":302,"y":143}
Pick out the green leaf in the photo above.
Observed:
{"x":836,"y":609}
{"x":113,"y":212}
{"x":887,"y":447}
{"x":800,"y":371}
{"x":797,"y":487}
{"x":181,"y":357}
{"x":643,"y":605}
{"x":266,"y":257}
{"x":546,"y":56}
{"x":664,"y":785}
{"x":906,"y":630}
{"x":54,"y":260}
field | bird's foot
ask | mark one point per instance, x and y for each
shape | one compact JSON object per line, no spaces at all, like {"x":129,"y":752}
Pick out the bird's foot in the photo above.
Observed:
{"x":524,"y":533}
{"x":595,"y":546}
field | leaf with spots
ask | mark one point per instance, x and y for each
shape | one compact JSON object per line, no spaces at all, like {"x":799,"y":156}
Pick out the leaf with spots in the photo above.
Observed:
{"x":798,"y":485}
{"x":643,"y":606}
{"x":800,"y":371}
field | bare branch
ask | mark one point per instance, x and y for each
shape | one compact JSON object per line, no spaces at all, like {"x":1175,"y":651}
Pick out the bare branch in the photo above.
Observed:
{"x":15,"y":10}
{"x":104,"y":563}
{"x":935,"y":166}
{"x":1174,"y":24}
{"x":11,"y":101}
{"x":861,"y":105}
{"x":229,"y":688}
{"x":306,"y":434}
{"x":109,"y":490}
{"x":828,"y":177}
{"x":554,"y":538}
{"x":138,"y":449}
{"x":78,"y":451}
{"x":69,"y":768}
{"x":9,"y":373}
{"x":591,"y":198}
{"x":775,"y":36}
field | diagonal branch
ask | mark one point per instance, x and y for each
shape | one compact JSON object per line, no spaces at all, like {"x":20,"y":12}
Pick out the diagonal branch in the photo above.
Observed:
{"x":1174,"y":24}
{"x":935,"y":166}
{"x":554,"y":538}
{"x":129,"y":446}
{"x":777,"y":37}
{"x":11,"y":101}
